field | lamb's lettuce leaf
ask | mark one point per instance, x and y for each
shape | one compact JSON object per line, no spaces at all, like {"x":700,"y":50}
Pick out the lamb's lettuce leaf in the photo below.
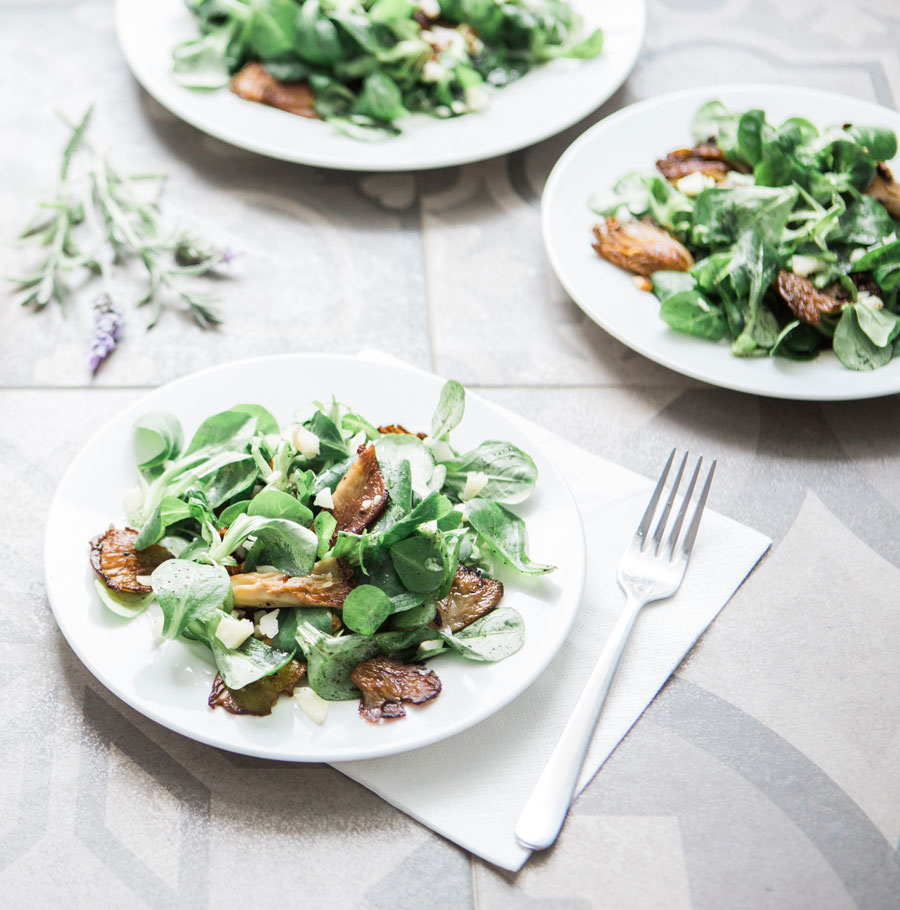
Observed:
{"x":289,"y":547}
{"x":494,"y":637}
{"x":158,"y":438}
{"x":504,"y":532}
{"x":250,"y":661}
{"x":188,"y":591}
{"x":511,"y":473}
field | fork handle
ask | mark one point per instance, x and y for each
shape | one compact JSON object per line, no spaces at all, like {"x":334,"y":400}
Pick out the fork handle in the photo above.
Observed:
{"x":544,"y":813}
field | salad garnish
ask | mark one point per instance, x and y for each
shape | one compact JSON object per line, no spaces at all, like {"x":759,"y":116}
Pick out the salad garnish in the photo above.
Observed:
{"x":363,"y":65}
{"x":329,"y":558}
{"x":782,"y":239}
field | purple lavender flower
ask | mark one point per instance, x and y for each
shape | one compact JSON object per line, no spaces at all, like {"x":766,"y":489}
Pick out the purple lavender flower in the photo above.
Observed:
{"x":190,"y":252}
{"x":107,"y":329}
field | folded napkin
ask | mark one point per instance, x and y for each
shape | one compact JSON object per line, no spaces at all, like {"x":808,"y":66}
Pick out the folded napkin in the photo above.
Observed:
{"x":486,"y":773}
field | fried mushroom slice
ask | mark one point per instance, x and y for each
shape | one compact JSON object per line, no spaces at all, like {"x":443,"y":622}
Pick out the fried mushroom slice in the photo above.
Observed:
{"x":640,"y":247}
{"x":886,"y":190}
{"x":398,"y":430}
{"x":471,"y":596}
{"x":255,"y":83}
{"x":258,"y":697}
{"x":119,"y":564}
{"x":706,"y":158}
{"x":387,"y":683}
{"x":327,"y":585}
{"x":361,"y":494}
{"x":803,"y":298}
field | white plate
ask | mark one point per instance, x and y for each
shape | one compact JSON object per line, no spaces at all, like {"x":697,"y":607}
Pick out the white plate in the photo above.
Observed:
{"x":169,"y":681}
{"x":545,"y":102}
{"x":634,"y":138}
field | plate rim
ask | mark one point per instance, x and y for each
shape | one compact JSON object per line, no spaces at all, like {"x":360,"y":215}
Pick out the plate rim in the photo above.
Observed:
{"x":636,"y":109}
{"x":157,"y":716}
{"x":500,"y":148}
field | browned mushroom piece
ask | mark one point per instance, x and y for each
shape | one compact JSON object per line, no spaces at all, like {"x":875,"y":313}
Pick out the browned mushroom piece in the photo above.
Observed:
{"x":803,"y":298}
{"x":640,"y":247}
{"x":255,"y":83}
{"x":886,"y":190}
{"x":361,"y":494}
{"x":707,"y":159}
{"x":327,"y":585}
{"x":119,"y":564}
{"x":398,"y":430}
{"x":387,"y":683}
{"x":471,"y":596}
{"x":258,"y":697}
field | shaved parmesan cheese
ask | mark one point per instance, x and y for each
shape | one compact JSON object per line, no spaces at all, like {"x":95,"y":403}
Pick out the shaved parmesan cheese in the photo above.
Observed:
{"x":306,"y":442}
{"x":694,"y":184}
{"x":433,"y":71}
{"x":233,"y":632}
{"x":268,"y":624}
{"x":476,"y":481}
{"x":871,"y":299}
{"x":440,"y":449}
{"x":313,"y":705}
{"x":324,"y":499}
{"x":806,"y":265}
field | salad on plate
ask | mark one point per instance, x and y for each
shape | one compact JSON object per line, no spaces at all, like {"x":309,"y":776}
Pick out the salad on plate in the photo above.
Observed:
{"x":327,"y":559}
{"x":363,"y":65}
{"x":782,"y":239}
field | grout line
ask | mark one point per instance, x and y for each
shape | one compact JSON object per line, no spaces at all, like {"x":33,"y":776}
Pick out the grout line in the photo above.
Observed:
{"x":429,"y":321}
{"x":549,"y":387}
{"x":80,"y":388}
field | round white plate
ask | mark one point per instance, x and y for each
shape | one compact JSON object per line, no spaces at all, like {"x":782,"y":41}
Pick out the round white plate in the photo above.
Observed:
{"x":634,"y":138}
{"x":169,"y":681}
{"x":545,"y":102}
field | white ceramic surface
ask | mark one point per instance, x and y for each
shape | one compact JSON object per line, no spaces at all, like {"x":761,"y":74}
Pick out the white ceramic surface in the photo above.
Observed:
{"x":169,"y":681}
{"x":543,"y":103}
{"x":635,"y":138}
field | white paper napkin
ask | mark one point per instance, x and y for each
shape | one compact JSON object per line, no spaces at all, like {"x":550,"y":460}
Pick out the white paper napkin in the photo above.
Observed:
{"x":472,"y":787}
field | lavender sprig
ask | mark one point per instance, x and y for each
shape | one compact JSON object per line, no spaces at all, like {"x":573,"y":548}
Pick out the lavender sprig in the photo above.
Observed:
{"x":107,"y":330}
{"x":123,"y":213}
{"x":52,"y":229}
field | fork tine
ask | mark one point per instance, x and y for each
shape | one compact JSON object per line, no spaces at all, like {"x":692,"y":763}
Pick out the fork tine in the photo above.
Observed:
{"x":679,"y":520}
{"x":691,"y":534}
{"x":644,"y":526}
{"x":667,"y":508}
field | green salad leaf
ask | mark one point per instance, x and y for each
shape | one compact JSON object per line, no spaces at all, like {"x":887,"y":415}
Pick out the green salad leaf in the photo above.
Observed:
{"x":187,"y":591}
{"x":369,"y":63}
{"x":796,"y":198}
{"x":493,"y":637}
{"x":242,"y":499}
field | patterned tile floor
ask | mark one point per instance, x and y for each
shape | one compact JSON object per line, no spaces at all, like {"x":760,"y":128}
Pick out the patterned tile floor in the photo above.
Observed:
{"x":763,"y":776}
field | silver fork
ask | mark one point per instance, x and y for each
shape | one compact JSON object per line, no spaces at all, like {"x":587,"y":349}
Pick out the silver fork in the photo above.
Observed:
{"x":650,"y":570}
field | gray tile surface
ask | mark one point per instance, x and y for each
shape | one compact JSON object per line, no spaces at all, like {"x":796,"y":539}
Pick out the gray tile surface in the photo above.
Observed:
{"x":764,"y":775}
